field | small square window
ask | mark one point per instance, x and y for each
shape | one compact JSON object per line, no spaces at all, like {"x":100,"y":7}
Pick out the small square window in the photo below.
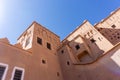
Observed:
{"x":62,"y":51}
{"x":49,"y":46}
{"x":77,"y":47}
{"x":43,"y":61}
{"x":113,"y":26}
{"x":98,"y":29}
{"x":39,"y":40}
{"x":68,"y":63}
{"x":118,"y":34}
{"x":92,"y":40}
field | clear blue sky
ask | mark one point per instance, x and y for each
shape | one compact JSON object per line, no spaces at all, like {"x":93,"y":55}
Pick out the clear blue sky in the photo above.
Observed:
{"x":59,"y":16}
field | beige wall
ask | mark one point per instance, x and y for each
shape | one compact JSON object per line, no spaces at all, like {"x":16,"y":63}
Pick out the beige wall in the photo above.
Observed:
{"x":30,"y":57}
{"x":105,"y":27}
{"x":91,"y":42}
{"x":105,"y":68}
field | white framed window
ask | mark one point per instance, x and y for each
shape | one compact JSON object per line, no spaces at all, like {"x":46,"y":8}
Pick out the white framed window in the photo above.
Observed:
{"x":3,"y":70}
{"x":18,"y":73}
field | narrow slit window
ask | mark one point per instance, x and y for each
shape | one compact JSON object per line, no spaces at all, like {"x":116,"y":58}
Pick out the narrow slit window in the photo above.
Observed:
{"x":68,"y":63}
{"x":49,"y":46}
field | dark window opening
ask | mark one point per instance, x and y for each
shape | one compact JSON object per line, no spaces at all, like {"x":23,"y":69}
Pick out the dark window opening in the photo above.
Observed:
{"x":113,"y":26}
{"x":62,"y":51}
{"x":2,"y":70}
{"x":49,"y":46}
{"x":68,"y":63}
{"x":77,"y":47}
{"x":39,"y":40}
{"x":118,"y":37}
{"x":101,"y":28}
{"x":98,"y":29}
{"x":17,"y":75}
{"x":43,"y":61}
{"x":92,"y":40}
{"x":118,"y":34}
{"x":58,"y":74}
{"x":103,"y":34}
{"x":114,"y":36}
{"x":111,"y":38}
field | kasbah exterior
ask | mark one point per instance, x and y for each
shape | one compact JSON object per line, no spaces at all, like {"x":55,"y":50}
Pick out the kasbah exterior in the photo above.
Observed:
{"x":88,"y":53}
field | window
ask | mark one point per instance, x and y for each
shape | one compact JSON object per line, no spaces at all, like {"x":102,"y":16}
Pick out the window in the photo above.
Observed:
{"x":18,"y":74}
{"x":39,"y":40}
{"x":111,"y":38}
{"x":49,"y":46}
{"x":99,"y":38}
{"x":3,"y":71}
{"x":91,"y":31}
{"x":58,"y":74}
{"x":77,"y":47}
{"x":27,"y":41}
{"x":68,"y":63}
{"x":92,"y":40}
{"x":114,"y":36}
{"x":88,"y":34}
{"x":113,"y":26}
{"x":43,"y":61}
{"x":101,"y":28}
{"x":62,"y":51}
{"x":98,"y":29}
